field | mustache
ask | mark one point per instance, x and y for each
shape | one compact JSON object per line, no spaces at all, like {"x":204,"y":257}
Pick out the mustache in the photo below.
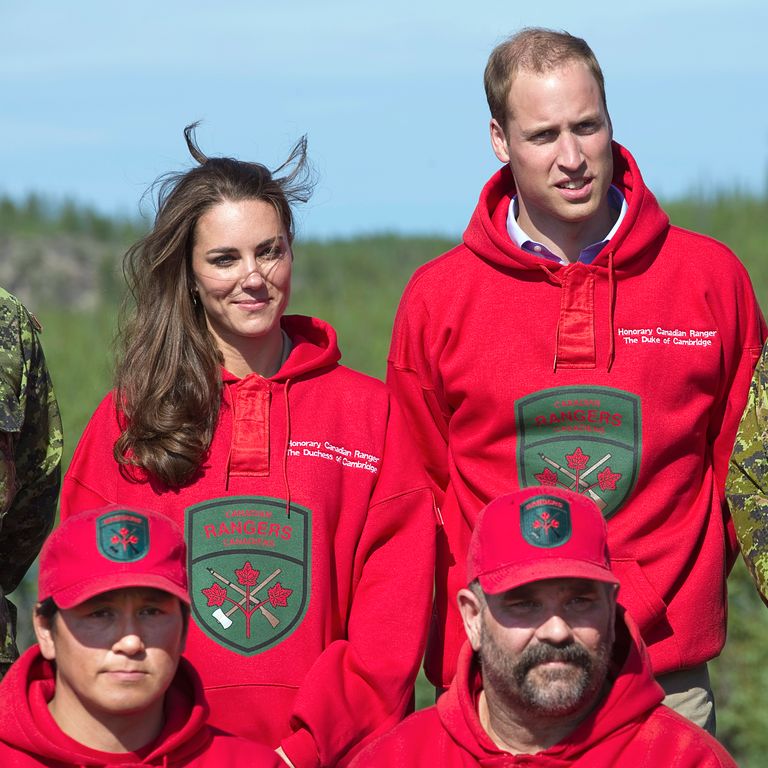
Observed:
{"x":542,"y":654}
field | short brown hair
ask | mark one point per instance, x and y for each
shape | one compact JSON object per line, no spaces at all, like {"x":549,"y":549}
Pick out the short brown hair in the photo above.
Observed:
{"x":533,"y":49}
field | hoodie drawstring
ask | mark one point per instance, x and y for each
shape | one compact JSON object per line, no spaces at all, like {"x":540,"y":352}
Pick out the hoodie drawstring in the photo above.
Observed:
{"x":611,"y":308}
{"x":287,"y":447}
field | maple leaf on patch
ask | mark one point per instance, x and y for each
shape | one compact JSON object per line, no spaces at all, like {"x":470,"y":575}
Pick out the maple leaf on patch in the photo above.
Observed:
{"x":547,"y":477}
{"x":247,"y":576}
{"x":123,"y":538}
{"x":278,"y":595}
{"x":577,"y":460}
{"x":215,"y":594}
{"x":545,"y":523}
{"x":607,"y":479}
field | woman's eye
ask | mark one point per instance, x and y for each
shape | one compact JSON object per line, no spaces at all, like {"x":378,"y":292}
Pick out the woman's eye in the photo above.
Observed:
{"x":272,"y":254}
{"x":223,"y":261}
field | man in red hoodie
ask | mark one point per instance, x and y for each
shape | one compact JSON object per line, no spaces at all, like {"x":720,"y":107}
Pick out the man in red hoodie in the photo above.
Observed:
{"x":576,"y":339}
{"x":106,"y":684}
{"x":552,"y":670}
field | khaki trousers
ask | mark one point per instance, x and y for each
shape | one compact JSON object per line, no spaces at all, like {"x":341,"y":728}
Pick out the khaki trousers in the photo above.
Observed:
{"x":689,"y":693}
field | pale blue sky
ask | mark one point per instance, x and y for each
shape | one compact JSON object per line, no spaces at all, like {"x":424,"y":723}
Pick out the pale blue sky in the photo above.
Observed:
{"x":94,"y":97}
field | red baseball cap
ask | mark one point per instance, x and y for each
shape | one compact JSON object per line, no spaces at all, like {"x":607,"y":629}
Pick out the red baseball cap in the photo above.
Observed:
{"x":538,"y":533}
{"x":112,"y":548}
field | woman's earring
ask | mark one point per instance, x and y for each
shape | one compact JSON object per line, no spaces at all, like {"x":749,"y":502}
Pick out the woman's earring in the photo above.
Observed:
{"x":195,"y":297}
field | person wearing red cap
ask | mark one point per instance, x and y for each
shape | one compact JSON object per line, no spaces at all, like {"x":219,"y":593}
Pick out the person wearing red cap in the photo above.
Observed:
{"x":553,"y":670}
{"x":106,"y":685}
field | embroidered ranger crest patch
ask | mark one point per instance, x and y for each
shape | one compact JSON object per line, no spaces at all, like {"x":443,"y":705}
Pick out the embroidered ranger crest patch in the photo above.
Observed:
{"x":586,"y":439}
{"x":545,"y":521}
{"x":122,"y":536}
{"x":249,"y":570}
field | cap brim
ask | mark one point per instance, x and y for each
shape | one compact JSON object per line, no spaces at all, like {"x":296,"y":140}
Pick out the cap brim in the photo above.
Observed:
{"x":85,"y":590}
{"x":518,"y":574}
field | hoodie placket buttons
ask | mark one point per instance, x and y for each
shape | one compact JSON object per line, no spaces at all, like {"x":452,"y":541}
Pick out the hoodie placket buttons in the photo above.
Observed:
{"x":576,"y":325}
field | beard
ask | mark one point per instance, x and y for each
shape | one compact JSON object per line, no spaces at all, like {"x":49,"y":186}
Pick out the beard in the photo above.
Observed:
{"x":523,"y":683}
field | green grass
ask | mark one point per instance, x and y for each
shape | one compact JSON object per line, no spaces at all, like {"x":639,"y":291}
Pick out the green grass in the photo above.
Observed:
{"x":355,"y":285}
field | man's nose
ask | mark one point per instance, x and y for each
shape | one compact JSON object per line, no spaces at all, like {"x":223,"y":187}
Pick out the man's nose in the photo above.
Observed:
{"x":554,"y":630}
{"x":130,"y":640}
{"x":569,"y":151}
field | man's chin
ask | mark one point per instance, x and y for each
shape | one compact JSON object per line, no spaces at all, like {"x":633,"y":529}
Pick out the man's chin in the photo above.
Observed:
{"x":557,"y":689}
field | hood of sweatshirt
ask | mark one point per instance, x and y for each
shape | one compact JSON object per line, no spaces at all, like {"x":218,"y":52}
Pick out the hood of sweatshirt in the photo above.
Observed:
{"x":314,"y":348}
{"x":28,"y":725}
{"x":630,"y":251}
{"x":633,"y":693}
{"x":633,"y":247}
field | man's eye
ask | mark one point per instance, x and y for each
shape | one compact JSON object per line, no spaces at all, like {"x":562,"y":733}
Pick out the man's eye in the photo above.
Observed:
{"x":587,"y":128}
{"x":543,"y":137}
{"x":100,"y":613}
{"x":582,"y":602}
{"x":522,"y":605}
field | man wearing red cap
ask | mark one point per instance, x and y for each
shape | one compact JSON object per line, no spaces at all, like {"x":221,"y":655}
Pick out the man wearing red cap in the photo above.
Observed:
{"x":552,"y":669}
{"x":106,"y":684}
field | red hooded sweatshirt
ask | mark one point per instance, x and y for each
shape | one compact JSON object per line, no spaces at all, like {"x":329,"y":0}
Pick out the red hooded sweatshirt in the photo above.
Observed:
{"x":624,"y":379}
{"x":310,"y":532}
{"x":30,"y":737}
{"x":629,"y":727}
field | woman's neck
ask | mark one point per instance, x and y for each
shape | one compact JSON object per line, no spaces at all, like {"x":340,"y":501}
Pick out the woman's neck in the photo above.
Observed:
{"x":264,"y":356}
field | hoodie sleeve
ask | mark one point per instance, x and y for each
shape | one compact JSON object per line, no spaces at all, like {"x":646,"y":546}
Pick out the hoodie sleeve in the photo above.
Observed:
{"x":412,"y":377}
{"x":361,"y":686}
{"x":90,"y":481}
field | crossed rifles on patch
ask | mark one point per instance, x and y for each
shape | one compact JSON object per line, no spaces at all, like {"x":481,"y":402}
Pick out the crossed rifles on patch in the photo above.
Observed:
{"x":578,"y":477}
{"x":223,"y":618}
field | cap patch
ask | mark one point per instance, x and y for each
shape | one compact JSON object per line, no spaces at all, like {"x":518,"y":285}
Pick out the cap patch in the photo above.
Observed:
{"x":122,"y":536}
{"x":545,"y":521}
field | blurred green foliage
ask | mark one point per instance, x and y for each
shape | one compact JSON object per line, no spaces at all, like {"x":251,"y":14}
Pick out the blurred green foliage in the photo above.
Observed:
{"x":355,"y":284}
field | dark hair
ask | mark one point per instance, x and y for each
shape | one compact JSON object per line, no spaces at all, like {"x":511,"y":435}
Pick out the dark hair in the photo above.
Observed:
{"x":167,"y":379}
{"x":46,"y":609}
{"x":533,"y":49}
{"x":477,"y":590}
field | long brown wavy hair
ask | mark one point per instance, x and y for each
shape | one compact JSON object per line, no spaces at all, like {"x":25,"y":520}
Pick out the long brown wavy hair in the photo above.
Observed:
{"x":167,"y":377}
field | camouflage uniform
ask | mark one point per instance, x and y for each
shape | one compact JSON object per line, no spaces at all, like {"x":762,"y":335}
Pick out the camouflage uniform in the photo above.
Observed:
{"x":747,"y":484}
{"x":30,"y":455}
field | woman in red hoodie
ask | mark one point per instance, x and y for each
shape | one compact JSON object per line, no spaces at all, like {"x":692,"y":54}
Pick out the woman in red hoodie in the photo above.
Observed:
{"x":309,"y":526}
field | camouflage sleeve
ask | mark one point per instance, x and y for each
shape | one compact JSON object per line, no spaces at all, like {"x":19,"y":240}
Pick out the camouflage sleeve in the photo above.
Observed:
{"x":747,"y":483}
{"x":30,"y":445}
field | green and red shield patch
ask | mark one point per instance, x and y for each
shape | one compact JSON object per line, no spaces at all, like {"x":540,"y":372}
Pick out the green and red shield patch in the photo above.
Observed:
{"x":587,"y":439}
{"x":545,"y":521}
{"x":122,"y":536}
{"x":249,"y":564}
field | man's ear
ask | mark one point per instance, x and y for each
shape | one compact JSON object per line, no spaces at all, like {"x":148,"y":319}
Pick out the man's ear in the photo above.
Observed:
{"x":499,"y":142}
{"x":471,"y":609}
{"x":43,"y":627}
